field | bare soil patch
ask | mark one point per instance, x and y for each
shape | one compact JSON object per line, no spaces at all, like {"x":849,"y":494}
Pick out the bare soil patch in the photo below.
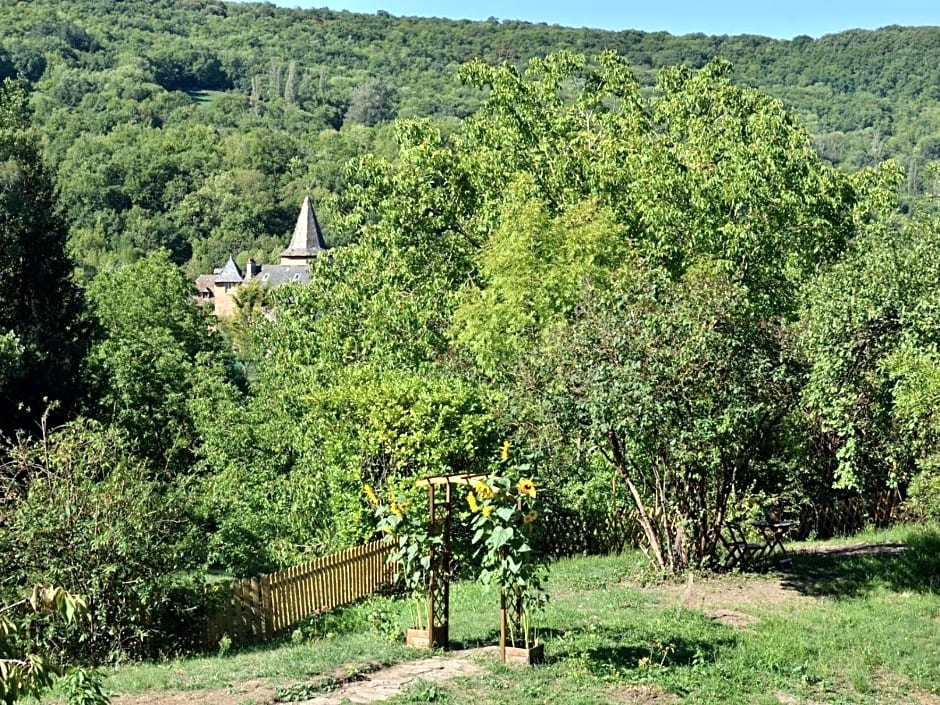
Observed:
{"x":732,"y":618}
{"x":902,"y":691}
{"x":361,"y":688}
{"x":730,"y":598}
{"x":256,"y":691}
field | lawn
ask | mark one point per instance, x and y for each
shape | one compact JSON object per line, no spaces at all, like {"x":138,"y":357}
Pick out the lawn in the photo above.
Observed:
{"x":856,"y":621}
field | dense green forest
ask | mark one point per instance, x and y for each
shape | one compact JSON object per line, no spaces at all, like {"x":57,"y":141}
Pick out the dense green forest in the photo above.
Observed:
{"x":664,"y":285}
{"x":198,"y":126}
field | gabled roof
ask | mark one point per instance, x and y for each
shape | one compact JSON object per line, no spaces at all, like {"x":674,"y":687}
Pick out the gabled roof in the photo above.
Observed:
{"x":230,"y":273}
{"x":307,"y":240}
{"x":204,"y":283}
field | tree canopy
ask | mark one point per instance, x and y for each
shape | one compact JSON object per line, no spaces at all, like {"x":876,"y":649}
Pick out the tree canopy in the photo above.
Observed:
{"x":198,"y":126}
{"x":40,"y":306}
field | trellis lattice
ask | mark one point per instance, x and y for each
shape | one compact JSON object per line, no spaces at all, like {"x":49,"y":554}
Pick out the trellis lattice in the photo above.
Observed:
{"x":439,"y":521}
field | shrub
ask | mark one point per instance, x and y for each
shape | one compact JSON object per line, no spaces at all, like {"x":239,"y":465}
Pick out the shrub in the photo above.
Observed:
{"x":85,"y":516}
{"x":924,"y":494}
{"x":27,"y":673}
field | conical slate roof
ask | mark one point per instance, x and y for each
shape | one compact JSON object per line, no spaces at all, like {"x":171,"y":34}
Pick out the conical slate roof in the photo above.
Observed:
{"x":307,"y":240}
{"x":230,"y":273}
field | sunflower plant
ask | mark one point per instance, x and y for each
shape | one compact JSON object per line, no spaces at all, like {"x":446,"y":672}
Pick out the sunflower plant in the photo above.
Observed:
{"x":406,"y":527}
{"x":504,"y":515}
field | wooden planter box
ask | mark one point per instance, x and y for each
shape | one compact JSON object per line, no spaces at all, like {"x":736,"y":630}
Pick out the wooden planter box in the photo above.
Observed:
{"x":426,"y":638}
{"x":521,"y":656}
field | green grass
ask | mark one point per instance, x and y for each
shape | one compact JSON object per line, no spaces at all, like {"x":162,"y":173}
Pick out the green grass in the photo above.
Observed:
{"x":854,"y":628}
{"x":347,"y":643}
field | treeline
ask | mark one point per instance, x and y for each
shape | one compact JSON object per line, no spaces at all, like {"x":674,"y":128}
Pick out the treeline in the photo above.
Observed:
{"x":198,"y":126}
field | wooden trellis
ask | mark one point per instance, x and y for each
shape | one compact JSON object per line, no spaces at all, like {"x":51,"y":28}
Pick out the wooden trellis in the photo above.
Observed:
{"x":439,"y":522}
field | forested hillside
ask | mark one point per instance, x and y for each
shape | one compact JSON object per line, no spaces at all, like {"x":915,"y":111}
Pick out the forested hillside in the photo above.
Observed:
{"x":199,"y":125}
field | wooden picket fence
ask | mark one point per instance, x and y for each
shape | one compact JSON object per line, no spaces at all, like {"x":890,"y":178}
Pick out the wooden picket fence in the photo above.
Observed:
{"x":254,"y":609}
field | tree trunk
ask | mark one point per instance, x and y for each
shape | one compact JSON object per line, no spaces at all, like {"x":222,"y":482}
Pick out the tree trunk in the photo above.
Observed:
{"x":648,"y":529}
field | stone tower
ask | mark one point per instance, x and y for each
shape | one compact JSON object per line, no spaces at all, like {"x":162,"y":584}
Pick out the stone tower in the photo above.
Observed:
{"x":307,"y":241}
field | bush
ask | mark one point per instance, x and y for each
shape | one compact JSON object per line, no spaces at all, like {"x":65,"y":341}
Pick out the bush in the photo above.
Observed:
{"x":924,"y":494}
{"x":88,"y":519}
{"x":26,"y":673}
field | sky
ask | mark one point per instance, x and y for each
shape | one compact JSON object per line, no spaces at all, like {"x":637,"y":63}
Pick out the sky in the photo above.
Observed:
{"x":783,"y":19}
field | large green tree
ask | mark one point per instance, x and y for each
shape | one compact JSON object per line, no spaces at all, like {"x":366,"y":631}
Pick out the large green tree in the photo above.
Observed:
{"x":870,"y":331}
{"x":198,"y":67}
{"x":681,"y":387}
{"x":40,"y":306}
{"x":157,"y":353}
{"x":570,"y":178}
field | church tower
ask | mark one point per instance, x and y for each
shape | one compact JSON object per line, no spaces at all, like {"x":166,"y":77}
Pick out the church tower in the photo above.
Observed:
{"x":307,"y":241}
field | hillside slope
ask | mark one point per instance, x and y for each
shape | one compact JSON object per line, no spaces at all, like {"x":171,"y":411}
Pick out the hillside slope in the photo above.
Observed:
{"x":198,"y":125}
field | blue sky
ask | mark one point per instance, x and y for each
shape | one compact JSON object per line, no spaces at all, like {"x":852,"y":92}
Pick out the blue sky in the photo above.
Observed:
{"x":782,"y":18}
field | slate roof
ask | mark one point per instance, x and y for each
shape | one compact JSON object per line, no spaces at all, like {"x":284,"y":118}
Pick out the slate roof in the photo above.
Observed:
{"x":230,"y":273}
{"x":307,"y":243}
{"x":272,"y":275}
{"x":307,"y":240}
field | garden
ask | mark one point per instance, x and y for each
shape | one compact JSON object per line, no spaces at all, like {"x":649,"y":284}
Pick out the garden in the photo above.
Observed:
{"x":610,"y":312}
{"x":854,"y":621}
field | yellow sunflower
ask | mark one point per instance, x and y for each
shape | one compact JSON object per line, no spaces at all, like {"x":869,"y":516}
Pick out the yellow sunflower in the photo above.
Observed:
{"x":472,"y":501}
{"x":530,"y":517}
{"x":526,"y":487}
{"x":504,"y":453}
{"x":483,"y":490}
{"x":397,"y":510}
{"x":370,"y":495}
{"x":487,"y":510}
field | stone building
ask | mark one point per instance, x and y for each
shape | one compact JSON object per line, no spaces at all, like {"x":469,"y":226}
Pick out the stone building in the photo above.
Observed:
{"x":306,"y":244}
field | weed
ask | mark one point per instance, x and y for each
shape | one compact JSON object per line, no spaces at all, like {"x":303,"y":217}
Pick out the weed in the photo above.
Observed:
{"x":424,"y":692}
{"x":385,"y":622}
{"x":225,"y":645}
{"x":298,"y":692}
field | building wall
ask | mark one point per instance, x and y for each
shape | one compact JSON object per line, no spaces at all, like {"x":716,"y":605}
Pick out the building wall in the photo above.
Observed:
{"x":224,"y":302}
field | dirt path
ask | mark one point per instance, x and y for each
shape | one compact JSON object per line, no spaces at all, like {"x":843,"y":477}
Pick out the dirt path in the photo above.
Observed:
{"x":389,"y":682}
{"x":362,"y":688}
